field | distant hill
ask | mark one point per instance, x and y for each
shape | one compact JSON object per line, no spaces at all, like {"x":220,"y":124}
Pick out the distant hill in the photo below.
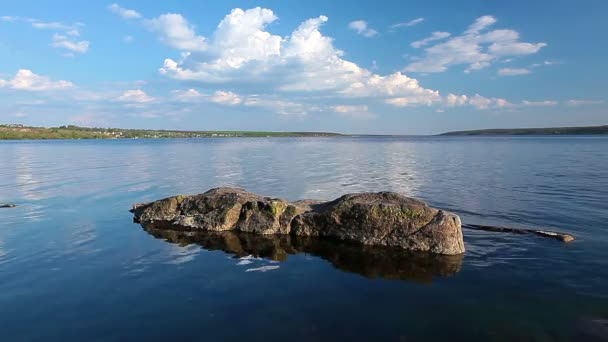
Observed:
{"x":20,"y":132}
{"x":535,"y":131}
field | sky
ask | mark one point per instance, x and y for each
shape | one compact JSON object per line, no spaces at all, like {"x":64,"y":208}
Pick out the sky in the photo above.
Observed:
{"x":376,"y":67}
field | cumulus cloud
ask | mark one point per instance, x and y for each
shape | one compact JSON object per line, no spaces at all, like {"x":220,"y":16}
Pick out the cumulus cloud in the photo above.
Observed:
{"x":476,"y":48}
{"x":25,"y":79}
{"x":190,"y":95}
{"x":136,"y":96}
{"x":481,"y":102}
{"x":477,"y":101}
{"x":433,"y":37}
{"x":175,"y":31}
{"x":243,"y":54}
{"x":226,"y":97}
{"x":242,"y":51}
{"x":64,"y":42}
{"x":124,"y":13}
{"x":410,"y":23}
{"x":456,"y":100}
{"x":362,"y":28}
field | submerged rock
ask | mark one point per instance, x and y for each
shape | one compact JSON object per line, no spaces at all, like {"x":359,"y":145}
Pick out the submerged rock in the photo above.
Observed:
{"x":370,"y":261}
{"x":375,"y":219}
{"x":563,"y":237}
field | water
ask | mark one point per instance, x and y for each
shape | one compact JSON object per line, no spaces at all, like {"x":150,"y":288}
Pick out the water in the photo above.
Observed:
{"x":74,"y":267}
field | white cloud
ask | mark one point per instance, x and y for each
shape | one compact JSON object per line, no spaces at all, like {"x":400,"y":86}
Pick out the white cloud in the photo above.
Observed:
{"x":241,"y":51}
{"x":190,"y":95}
{"x":282,"y":107}
{"x":175,"y":31}
{"x":27,"y":80}
{"x":136,"y":96}
{"x":70,"y":29}
{"x":477,"y":101}
{"x":226,"y":97}
{"x":353,"y":111}
{"x":399,"y":89}
{"x":127,"y":39}
{"x":475,"y":48}
{"x":361,"y":27}
{"x":513,"y":71}
{"x":481,"y":102}
{"x":433,"y":37}
{"x":64,"y":42}
{"x":410,"y":23}
{"x":539,"y":103}
{"x":456,"y":100}
{"x":583,"y":102}
{"x":305,"y":65}
{"x":64,"y":36}
{"x":480,"y":24}
{"x":55,"y":26}
{"x":125,"y":13}
{"x":277,"y":105}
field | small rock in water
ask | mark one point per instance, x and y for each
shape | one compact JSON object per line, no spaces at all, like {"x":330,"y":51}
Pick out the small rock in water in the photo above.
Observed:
{"x":560,"y":236}
{"x":8,"y":205}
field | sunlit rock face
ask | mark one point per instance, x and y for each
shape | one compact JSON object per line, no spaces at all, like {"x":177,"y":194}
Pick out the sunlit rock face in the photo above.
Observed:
{"x":370,"y":219}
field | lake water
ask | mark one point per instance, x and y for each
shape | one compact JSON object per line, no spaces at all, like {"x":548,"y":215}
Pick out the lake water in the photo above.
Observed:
{"x":73,"y":266}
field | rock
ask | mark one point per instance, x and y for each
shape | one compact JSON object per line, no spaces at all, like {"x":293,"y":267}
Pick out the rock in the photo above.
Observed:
{"x":378,"y":219}
{"x":563,"y":237}
{"x":7,"y":205}
{"x":369,"y":261}
{"x":387,"y":219}
{"x":560,"y":236}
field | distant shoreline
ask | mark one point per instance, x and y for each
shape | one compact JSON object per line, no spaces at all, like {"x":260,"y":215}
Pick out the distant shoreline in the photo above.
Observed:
{"x":20,"y":132}
{"x":588,"y":130}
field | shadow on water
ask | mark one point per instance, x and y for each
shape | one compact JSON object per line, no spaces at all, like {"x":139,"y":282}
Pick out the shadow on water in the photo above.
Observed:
{"x":369,"y":261}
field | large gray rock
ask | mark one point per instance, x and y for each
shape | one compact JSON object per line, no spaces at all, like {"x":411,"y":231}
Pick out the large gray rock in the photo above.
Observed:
{"x":384,"y":218}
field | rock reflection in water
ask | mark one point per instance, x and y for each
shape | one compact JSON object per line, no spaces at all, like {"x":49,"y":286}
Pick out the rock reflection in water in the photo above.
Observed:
{"x":371,"y":262}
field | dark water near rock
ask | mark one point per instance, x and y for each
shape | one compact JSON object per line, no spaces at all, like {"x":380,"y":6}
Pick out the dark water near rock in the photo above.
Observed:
{"x":74,"y":267}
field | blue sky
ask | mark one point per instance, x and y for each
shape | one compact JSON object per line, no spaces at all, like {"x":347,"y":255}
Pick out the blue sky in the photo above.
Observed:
{"x":389,"y":67}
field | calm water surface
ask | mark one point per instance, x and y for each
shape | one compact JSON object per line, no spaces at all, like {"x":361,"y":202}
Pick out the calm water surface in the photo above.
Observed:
{"x":73,"y":266}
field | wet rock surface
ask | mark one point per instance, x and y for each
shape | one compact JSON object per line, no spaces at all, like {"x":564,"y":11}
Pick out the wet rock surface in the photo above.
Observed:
{"x":369,"y":219}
